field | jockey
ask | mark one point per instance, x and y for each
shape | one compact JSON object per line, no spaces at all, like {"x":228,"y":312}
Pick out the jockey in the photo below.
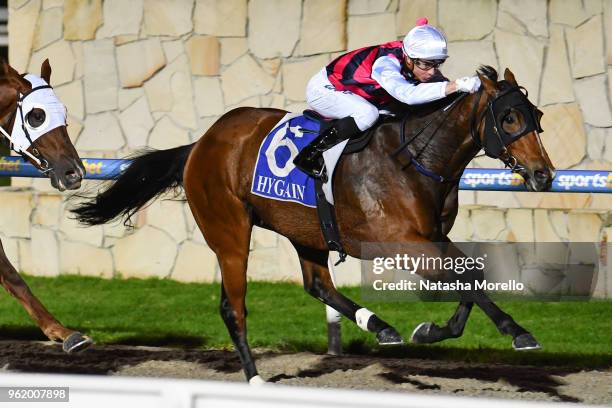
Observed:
{"x":354,"y":86}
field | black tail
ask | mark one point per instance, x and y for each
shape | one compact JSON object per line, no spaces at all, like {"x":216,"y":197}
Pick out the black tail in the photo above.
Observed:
{"x":150,"y":174}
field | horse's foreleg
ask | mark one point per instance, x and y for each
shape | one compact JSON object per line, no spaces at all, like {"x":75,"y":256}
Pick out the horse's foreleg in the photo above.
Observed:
{"x":53,"y":329}
{"x":318,"y":283}
{"x":521,"y":338}
{"x":429,"y":332}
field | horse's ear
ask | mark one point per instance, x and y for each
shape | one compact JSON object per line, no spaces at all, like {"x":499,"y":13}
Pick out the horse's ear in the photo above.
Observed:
{"x":45,"y":71}
{"x":509,"y":76}
{"x":489,"y":85}
{"x":13,"y":76}
{"x":10,"y":70}
{"x":7,"y":69}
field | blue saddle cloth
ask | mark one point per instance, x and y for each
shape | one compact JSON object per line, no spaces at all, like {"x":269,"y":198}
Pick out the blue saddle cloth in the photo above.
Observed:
{"x":275,"y":175}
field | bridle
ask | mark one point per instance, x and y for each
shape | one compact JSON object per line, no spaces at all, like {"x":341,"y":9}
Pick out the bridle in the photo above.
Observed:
{"x":496,"y":139}
{"x":35,"y":156}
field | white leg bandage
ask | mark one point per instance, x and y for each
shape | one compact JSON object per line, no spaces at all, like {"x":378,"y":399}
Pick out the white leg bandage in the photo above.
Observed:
{"x":256,"y":381}
{"x":333,"y":316}
{"x":362,"y":316}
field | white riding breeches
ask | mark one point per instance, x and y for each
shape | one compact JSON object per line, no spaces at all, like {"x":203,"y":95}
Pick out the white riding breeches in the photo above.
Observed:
{"x":323,"y":98}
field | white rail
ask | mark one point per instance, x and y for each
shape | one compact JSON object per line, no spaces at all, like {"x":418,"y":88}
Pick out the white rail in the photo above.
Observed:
{"x":117,"y":392}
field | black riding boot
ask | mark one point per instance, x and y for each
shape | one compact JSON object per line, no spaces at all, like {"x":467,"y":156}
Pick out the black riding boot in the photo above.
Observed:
{"x":310,"y":159}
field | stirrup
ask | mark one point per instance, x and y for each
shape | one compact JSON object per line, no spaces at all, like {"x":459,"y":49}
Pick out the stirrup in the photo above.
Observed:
{"x":321,"y":174}
{"x":316,"y":171}
{"x":310,"y":159}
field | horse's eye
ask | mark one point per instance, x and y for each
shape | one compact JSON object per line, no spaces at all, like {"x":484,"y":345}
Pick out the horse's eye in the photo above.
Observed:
{"x":509,"y":119}
{"x":35,"y":117}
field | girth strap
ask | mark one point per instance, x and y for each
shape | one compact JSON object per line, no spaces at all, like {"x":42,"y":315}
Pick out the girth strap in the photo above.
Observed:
{"x":329,"y":226}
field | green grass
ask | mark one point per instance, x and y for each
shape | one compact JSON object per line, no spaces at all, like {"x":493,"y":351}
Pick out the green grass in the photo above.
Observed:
{"x":283,"y":317}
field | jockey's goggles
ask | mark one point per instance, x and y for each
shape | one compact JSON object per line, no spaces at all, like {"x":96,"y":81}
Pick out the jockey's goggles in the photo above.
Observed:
{"x":426,"y":65}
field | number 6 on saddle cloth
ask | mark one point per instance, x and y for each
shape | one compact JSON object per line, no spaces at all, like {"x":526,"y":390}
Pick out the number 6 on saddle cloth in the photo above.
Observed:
{"x":277,"y":178}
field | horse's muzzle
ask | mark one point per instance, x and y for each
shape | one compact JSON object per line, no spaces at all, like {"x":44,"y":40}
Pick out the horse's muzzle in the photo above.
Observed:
{"x":539,"y":180}
{"x":67,"y":178}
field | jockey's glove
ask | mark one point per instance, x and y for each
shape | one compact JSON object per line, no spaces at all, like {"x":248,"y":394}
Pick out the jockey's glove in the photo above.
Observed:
{"x":468,"y":84}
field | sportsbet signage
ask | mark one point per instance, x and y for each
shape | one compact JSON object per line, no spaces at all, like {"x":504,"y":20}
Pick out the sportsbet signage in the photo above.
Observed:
{"x":566,"y":181}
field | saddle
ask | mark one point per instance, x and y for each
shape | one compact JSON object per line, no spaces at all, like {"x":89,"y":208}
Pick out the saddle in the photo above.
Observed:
{"x":355,"y":144}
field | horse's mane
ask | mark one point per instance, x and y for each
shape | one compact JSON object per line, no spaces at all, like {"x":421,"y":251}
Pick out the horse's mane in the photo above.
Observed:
{"x":488,"y":71}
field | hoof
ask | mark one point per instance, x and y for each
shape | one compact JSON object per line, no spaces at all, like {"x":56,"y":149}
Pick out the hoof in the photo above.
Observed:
{"x":257,"y":381}
{"x":424,"y":333}
{"x":389,"y":337}
{"x":525,"y":342}
{"x":76,"y":342}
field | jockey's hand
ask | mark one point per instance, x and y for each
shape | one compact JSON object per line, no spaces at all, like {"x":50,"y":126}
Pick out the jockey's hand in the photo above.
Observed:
{"x":468,"y":84}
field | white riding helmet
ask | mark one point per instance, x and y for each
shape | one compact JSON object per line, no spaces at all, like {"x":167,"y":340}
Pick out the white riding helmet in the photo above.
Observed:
{"x":425,"y":42}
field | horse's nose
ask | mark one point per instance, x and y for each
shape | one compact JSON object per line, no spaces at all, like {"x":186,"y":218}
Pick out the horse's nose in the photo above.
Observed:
{"x":544,"y":178}
{"x":542,"y":175}
{"x":72,"y":177}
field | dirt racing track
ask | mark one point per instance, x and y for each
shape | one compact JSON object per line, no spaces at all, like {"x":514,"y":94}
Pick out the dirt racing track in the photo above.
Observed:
{"x":307,"y":369}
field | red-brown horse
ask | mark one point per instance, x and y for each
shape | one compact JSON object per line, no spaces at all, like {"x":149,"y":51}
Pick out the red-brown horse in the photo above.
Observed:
{"x":51,"y":152}
{"x":378,"y":199}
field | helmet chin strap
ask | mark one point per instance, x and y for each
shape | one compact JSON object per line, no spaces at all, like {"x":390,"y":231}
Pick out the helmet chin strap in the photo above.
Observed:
{"x":22,"y":152}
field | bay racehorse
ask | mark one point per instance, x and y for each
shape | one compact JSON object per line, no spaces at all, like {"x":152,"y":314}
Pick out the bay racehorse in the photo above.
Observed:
{"x":34,"y":121}
{"x":382,"y":194}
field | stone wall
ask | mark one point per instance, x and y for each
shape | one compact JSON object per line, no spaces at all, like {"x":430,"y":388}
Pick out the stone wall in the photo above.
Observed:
{"x":158,"y":73}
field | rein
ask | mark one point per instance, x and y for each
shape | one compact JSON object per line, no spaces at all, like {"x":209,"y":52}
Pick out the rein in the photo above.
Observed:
{"x":496,"y":139}
{"x":405,"y":143}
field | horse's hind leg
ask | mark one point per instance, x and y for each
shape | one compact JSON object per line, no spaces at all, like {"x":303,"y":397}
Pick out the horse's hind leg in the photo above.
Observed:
{"x":230,"y":242}
{"x":233,"y":257}
{"x":233,"y":312}
{"x":429,"y":332}
{"x":318,"y":283}
{"x":15,"y":285}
